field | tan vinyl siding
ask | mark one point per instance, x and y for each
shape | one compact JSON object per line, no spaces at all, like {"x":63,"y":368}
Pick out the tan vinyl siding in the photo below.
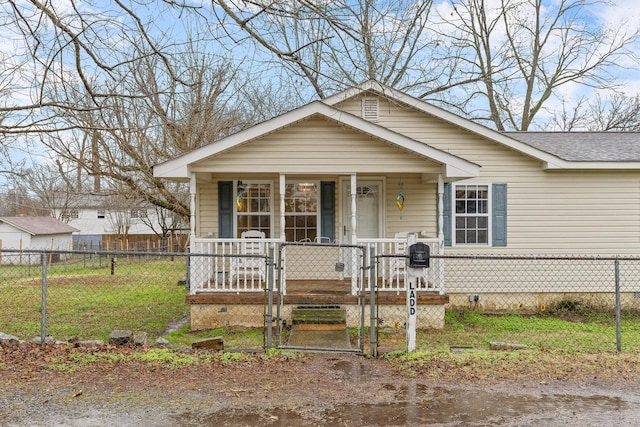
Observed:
{"x":317,"y":146}
{"x":419,"y":212}
{"x":574,"y":212}
{"x":207,"y":210}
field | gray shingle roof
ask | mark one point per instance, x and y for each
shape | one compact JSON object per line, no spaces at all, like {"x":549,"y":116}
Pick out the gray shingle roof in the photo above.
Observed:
{"x":585,"y":146}
{"x":38,"y":225}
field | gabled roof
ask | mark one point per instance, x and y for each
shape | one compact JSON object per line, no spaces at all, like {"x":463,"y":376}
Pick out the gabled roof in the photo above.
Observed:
{"x":454,"y":166}
{"x":38,"y":225}
{"x":557,"y":150}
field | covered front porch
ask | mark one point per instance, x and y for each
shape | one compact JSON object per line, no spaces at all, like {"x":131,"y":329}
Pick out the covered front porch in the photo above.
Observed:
{"x":320,"y":228}
{"x":296,"y":268}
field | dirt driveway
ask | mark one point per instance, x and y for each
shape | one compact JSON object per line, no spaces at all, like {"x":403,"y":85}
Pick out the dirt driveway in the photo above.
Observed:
{"x":105,"y":386}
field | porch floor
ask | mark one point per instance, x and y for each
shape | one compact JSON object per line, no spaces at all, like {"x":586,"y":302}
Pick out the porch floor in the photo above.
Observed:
{"x":315,"y":292}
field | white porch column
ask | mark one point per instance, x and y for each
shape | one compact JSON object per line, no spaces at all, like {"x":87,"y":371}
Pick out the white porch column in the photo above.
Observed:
{"x":354,"y":218}
{"x":439,"y":264}
{"x":440,"y":211}
{"x":283,"y":237}
{"x":192,"y":210}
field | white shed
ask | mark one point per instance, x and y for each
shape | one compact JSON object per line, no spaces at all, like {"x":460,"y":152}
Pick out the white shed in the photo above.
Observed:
{"x":35,"y":232}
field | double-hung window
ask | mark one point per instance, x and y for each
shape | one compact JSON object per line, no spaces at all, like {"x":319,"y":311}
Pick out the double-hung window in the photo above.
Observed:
{"x":472,"y":214}
{"x":301,"y":211}
{"x":475,"y":214}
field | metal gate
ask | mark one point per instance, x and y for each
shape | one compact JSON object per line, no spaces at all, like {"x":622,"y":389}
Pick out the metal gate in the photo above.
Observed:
{"x":318,"y":299}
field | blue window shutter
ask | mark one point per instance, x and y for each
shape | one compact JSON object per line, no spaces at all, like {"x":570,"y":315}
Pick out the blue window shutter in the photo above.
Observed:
{"x":225,"y":209}
{"x":446,"y":214}
{"x":499,"y":214}
{"x":328,"y":210}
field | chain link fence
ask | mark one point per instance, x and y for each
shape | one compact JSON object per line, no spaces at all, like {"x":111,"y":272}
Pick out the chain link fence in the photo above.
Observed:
{"x":553,"y":303}
{"x":86,"y":295}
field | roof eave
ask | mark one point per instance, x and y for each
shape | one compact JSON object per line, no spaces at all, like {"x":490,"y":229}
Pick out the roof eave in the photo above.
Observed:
{"x":591,"y":165}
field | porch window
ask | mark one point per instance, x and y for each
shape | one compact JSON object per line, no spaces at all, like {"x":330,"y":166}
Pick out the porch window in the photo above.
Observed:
{"x":253,"y":207}
{"x":471,"y":214}
{"x":301,"y":211}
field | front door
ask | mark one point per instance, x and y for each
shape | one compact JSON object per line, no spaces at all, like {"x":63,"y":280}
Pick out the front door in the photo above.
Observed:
{"x":368,"y":218}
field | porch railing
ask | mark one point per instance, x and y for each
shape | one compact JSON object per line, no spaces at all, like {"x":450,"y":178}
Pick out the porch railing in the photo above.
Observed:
{"x":231,"y":269}
{"x":392,"y":271}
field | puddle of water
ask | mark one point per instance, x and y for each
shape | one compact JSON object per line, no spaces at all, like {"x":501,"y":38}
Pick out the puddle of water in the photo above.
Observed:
{"x":354,"y":370}
{"x":420,"y":405}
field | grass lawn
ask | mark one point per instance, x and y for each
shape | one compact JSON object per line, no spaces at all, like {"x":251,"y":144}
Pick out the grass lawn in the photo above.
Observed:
{"x":551,"y":332}
{"x":87,"y":301}
{"x":84,"y":299}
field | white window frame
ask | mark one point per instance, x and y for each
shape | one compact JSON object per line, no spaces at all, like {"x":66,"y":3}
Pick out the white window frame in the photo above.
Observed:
{"x":455,"y":215}
{"x":70,"y":214}
{"x":271,"y":213}
{"x":318,"y":201}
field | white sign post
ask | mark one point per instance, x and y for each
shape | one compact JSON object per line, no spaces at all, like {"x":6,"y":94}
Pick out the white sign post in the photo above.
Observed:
{"x":412,"y":281}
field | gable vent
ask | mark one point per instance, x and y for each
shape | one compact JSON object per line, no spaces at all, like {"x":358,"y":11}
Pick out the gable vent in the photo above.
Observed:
{"x":370,"y":110}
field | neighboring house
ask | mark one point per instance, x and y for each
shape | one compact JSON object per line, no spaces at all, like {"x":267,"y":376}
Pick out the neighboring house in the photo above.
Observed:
{"x":33,"y":233}
{"x":105,"y":222}
{"x":370,"y":163}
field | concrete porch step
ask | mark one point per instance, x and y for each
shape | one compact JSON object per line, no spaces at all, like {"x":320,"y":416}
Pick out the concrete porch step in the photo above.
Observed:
{"x":319,"y":315}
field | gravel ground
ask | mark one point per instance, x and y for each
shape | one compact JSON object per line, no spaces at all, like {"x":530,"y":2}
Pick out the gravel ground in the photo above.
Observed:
{"x":37,"y":389}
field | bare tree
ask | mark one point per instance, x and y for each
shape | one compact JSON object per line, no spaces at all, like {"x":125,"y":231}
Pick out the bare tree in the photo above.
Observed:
{"x":167,"y":224}
{"x":331,"y":45}
{"x":523,"y":51}
{"x":52,"y":187}
{"x":159,"y":119}
{"x":498,"y":64}
{"x":618,"y":112}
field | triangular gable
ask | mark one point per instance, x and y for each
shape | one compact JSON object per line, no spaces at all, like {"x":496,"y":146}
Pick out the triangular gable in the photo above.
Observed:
{"x":453,"y":166}
{"x":550,"y":161}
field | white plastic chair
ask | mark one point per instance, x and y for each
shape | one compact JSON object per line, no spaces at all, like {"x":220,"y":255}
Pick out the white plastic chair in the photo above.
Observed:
{"x":249,"y":270}
{"x":398,"y":263}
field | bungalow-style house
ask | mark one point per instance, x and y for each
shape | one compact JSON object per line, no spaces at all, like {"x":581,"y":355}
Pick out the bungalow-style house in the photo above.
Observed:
{"x":33,"y":233}
{"x":371,"y":166}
